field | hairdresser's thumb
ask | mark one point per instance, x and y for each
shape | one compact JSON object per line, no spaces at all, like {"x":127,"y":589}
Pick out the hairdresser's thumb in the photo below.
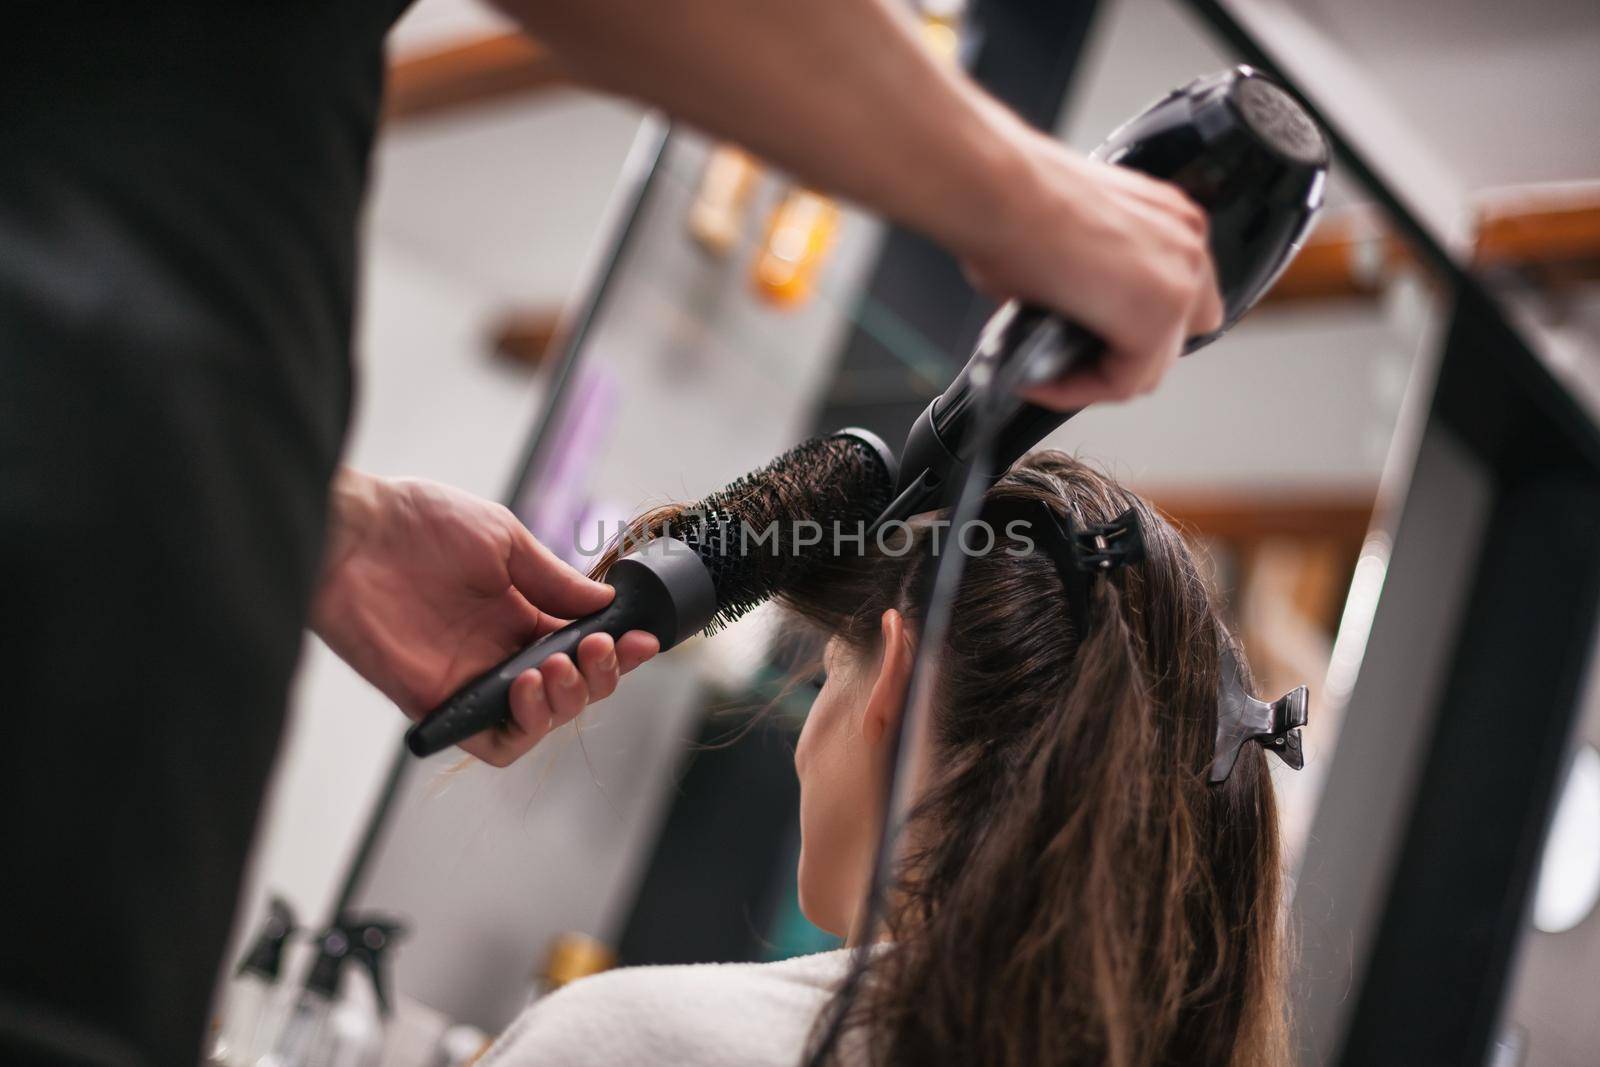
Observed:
{"x":552,"y":585}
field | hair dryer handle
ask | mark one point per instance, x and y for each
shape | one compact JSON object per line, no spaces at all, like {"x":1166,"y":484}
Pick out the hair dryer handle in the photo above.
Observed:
{"x":1050,"y":348}
{"x":485,"y":702}
{"x":1021,"y":345}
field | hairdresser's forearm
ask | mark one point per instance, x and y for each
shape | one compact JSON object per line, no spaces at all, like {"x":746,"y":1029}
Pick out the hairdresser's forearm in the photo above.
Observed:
{"x":838,"y":92}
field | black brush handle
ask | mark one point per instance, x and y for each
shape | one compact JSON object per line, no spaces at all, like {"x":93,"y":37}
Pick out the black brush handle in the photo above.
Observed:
{"x":664,"y":589}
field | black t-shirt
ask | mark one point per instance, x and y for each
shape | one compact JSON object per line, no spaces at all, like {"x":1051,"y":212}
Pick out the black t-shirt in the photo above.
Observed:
{"x":212,"y":158}
{"x":180,"y":191}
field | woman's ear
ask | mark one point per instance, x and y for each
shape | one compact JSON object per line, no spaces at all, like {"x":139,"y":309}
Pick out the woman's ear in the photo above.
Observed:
{"x":888,"y":694}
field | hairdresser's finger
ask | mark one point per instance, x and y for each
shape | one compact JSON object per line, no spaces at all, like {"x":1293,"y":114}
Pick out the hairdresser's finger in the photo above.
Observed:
{"x":597,"y":662}
{"x":1132,"y":370}
{"x":1208,"y":311}
{"x":1167,"y":352}
{"x":526,"y":726}
{"x":634,"y":647}
{"x":490,"y":748}
{"x":547,"y":623}
{"x":564,"y":688}
{"x":531,"y":715}
{"x":550,"y":584}
{"x":1118,"y":374}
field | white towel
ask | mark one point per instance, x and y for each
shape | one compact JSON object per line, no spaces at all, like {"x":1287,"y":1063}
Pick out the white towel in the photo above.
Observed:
{"x":701,"y":1015}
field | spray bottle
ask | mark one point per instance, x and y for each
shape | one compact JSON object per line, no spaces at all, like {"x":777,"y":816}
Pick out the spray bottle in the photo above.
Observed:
{"x":322,"y":1030}
{"x":246,"y":1014}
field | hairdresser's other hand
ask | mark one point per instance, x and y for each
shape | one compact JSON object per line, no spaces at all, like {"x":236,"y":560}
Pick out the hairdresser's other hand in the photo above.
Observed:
{"x":425,"y":587}
{"x":1119,"y":253}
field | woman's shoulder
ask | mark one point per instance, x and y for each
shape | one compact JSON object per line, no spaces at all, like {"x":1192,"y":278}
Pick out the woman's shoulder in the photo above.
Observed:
{"x":749,"y":1014}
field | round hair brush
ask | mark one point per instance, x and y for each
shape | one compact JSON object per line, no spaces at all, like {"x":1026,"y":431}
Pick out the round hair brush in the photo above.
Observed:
{"x":765,"y":534}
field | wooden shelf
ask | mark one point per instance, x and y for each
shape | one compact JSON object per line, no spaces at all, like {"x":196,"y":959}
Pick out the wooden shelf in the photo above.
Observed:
{"x":1249,"y":518}
{"x":524,"y":336}
{"x":1553,"y":234}
{"x":481,"y":71}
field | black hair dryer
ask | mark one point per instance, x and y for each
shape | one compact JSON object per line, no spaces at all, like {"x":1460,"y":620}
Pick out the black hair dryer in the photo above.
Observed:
{"x":1247,"y":153}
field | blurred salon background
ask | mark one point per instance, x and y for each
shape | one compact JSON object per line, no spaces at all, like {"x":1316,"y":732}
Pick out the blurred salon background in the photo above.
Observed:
{"x":571,"y":308}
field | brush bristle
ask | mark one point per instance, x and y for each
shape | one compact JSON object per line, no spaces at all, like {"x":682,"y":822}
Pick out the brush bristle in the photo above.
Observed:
{"x":755,"y":536}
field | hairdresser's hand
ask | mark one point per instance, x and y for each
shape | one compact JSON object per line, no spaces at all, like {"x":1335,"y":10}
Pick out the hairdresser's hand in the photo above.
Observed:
{"x":1117,"y":252}
{"x":425,"y":587}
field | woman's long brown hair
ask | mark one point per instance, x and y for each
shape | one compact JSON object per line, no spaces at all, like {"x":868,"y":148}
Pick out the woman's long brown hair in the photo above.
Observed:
{"x":1078,"y":893}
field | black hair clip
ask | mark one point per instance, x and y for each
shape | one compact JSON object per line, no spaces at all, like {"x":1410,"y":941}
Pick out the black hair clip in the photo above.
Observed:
{"x":1241,"y":717}
{"x":1079,"y":553}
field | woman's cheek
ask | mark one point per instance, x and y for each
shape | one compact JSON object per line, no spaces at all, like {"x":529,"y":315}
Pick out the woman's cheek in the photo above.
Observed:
{"x":802,"y":749}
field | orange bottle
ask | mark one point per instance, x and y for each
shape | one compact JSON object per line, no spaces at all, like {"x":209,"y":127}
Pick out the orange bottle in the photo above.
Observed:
{"x":801,"y":231}
{"x":804,"y":224}
{"x":716,"y":218}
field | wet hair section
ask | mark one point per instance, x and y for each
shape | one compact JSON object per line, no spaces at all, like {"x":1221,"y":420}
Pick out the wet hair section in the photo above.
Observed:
{"x":1079,"y":892}
{"x":776,"y":531}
